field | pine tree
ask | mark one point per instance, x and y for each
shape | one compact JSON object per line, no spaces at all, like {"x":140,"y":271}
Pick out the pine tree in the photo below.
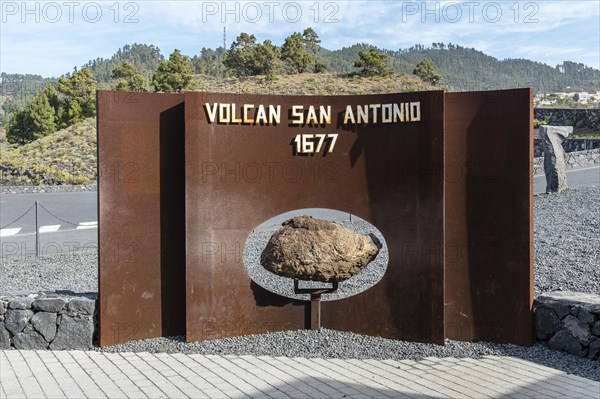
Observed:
{"x":246,"y":57}
{"x":174,"y":75}
{"x":300,"y":51}
{"x":43,"y":118}
{"x":209,"y":62}
{"x":312,"y":41}
{"x":373,"y":62}
{"x":294,"y":53}
{"x":58,"y":104}
{"x":20,"y":130}
{"x":80,"y":92}
{"x":268,"y":59}
{"x":35,"y":121}
{"x":129,"y":78}
{"x":73,"y":112}
{"x":427,"y":71}
{"x":239,"y":58}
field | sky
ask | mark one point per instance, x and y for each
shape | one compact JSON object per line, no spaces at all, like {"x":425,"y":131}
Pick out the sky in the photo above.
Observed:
{"x":50,"y":38}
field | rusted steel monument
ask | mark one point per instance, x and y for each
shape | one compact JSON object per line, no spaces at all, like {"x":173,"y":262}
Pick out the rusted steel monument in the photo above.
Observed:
{"x":445,"y":177}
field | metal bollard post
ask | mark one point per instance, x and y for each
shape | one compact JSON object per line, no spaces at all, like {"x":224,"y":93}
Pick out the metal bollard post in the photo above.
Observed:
{"x":315,"y":300}
{"x":37,"y":230}
{"x":315,"y":312}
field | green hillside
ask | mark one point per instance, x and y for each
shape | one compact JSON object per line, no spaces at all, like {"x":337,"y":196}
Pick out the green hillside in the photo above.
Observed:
{"x":145,"y":58}
{"x":65,"y":157}
{"x":467,"y":69}
{"x":462,"y":68}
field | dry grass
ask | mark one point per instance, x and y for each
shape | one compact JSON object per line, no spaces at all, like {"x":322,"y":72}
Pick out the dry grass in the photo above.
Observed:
{"x":313,"y":84}
{"x":65,"y":157}
{"x":3,"y":142}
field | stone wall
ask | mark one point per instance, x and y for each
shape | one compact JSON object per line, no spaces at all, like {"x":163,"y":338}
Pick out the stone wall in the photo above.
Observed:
{"x":573,"y":160}
{"x":566,"y":321}
{"x":569,"y":145}
{"x":48,"y":320}
{"x":580,"y":119}
{"x":569,"y":321}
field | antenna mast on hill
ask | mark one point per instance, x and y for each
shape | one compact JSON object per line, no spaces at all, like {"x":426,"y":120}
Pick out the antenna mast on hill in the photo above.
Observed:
{"x":224,"y":37}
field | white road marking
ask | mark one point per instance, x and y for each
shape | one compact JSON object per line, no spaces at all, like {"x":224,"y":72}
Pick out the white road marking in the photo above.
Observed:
{"x":59,"y":231}
{"x":50,"y":228}
{"x":9,"y":232}
{"x":572,"y":170}
{"x":94,"y":223}
{"x":87,"y":225}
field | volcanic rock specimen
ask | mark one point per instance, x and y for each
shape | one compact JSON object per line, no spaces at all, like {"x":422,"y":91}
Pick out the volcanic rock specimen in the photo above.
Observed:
{"x":306,"y":248}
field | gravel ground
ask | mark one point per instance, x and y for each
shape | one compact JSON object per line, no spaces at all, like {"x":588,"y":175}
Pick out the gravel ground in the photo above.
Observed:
{"x":567,"y":249}
{"x":344,"y":345}
{"x":76,"y":272}
{"x":567,"y":241}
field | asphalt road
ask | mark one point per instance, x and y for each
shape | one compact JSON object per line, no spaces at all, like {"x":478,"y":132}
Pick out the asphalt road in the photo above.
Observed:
{"x":575,"y":178}
{"x":69,"y":224}
{"x":66,"y":223}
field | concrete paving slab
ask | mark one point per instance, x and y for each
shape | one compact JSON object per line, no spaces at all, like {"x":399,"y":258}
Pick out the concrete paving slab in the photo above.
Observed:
{"x":79,"y":374}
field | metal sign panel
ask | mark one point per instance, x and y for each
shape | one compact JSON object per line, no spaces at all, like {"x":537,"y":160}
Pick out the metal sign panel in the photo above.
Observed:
{"x":141,"y":219}
{"x":386,"y":169}
{"x":184,"y":179}
{"x":489,"y":216}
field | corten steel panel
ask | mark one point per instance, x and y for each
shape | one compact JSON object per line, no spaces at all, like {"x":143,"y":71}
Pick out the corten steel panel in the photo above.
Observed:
{"x":141,"y":193}
{"x":238,"y":176}
{"x":489,"y":216}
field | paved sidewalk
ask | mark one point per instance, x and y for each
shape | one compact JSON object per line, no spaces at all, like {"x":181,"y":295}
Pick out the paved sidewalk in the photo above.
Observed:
{"x":79,"y":374}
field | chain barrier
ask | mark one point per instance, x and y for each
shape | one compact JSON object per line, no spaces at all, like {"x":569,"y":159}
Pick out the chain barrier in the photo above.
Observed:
{"x":35,"y":207}
{"x":57,"y":217}
{"x":19,"y":218}
{"x":44,"y":208}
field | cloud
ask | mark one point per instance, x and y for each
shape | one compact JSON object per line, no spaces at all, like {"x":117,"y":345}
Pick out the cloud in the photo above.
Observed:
{"x":502,"y":29}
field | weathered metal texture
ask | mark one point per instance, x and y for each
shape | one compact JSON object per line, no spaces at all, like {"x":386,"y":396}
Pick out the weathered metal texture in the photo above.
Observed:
{"x":172,"y":233}
{"x":489,"y":216}
{"x":238,"y":176}
{"x":141,"y":219}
